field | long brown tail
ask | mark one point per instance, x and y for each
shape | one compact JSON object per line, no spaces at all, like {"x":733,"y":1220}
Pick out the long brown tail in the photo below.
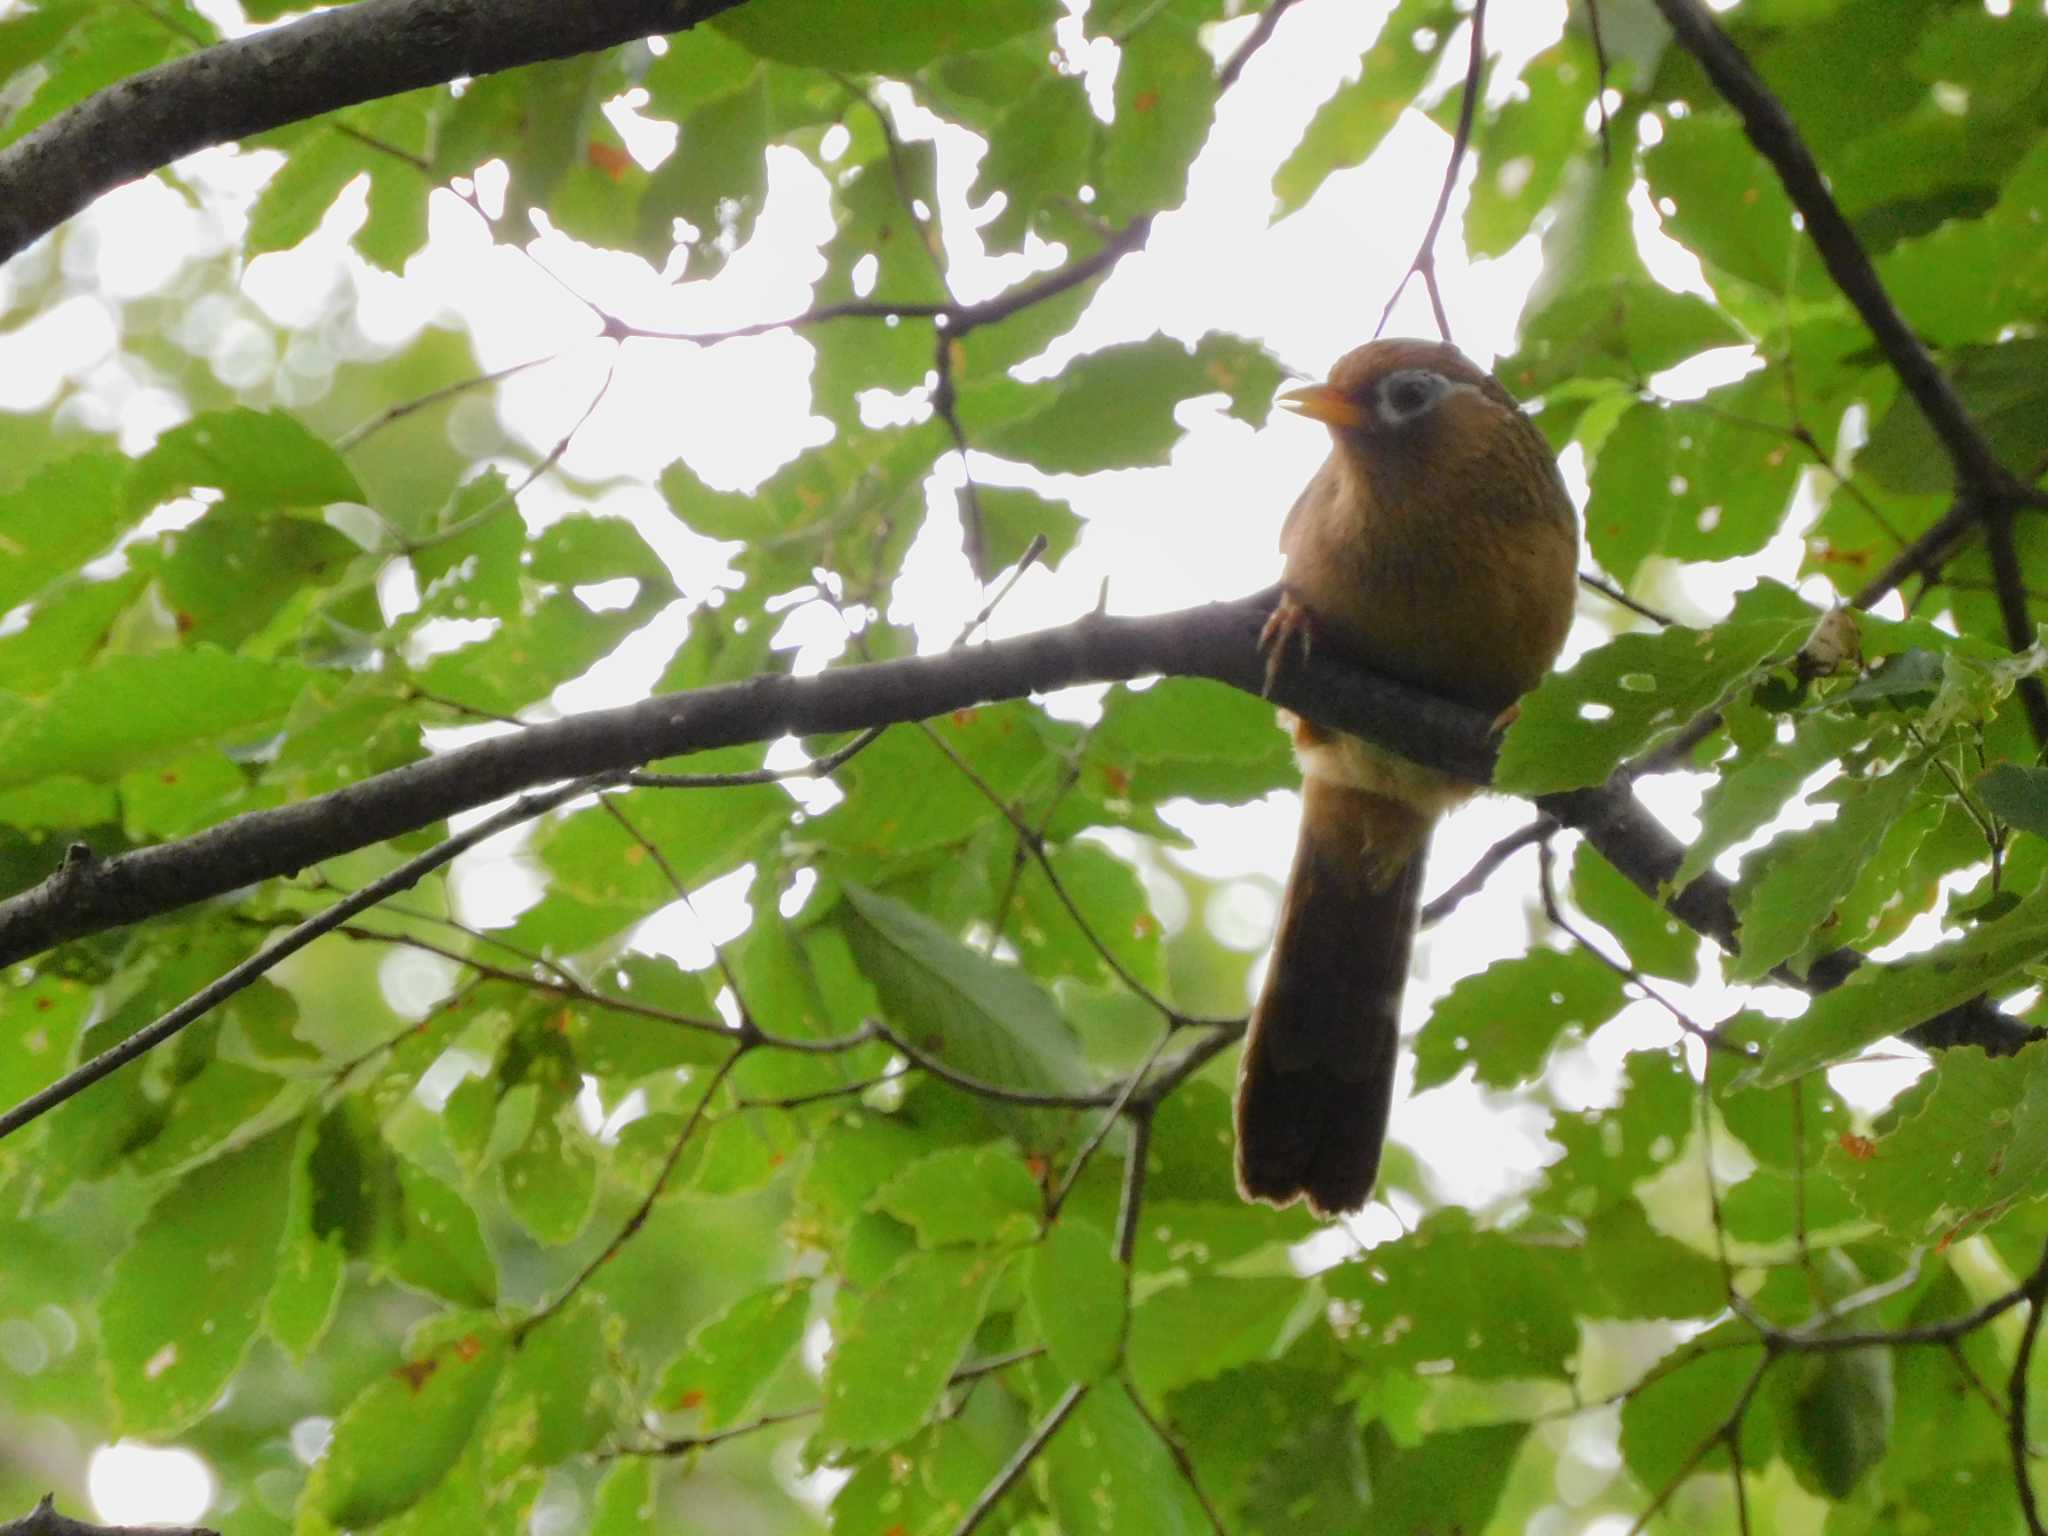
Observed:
{"x":1318,"y":1076}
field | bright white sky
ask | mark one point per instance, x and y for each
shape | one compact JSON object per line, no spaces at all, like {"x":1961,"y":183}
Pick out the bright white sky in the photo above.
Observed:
{"x":1201,"y":528}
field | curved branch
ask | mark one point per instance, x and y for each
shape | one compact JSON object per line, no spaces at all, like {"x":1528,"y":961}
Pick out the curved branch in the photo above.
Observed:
{"x":1216,"y":641}
{"x":1777,"y":139}
{"x":286,"y":74}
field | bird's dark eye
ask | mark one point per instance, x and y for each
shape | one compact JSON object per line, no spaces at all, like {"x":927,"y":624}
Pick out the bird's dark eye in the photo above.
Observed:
{"x":1407,"y":395}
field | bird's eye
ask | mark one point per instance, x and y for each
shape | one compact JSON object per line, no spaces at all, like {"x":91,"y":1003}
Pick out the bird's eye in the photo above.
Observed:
{"x":1407,"y":395}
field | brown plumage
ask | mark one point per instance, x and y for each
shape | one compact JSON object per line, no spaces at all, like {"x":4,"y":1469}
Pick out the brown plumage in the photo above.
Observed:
{"x":1436,"y":545}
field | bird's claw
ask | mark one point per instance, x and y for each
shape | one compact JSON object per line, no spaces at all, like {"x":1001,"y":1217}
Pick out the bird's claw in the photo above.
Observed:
{"x":1289,"y":626}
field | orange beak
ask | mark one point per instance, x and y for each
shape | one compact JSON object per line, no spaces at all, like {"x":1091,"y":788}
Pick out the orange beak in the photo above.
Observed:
{"x":1323,"y":404}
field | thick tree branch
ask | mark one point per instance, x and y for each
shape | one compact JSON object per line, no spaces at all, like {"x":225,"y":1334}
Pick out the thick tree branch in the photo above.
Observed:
{"x":1776,"y":136}
{"x":286,"y":74}
{"x":44,"y":1520}
{"x":1986,"y":491}
{"x":1217,"y":641}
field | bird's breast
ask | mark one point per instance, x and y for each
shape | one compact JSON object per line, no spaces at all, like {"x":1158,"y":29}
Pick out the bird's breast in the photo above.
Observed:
{"x":1464,"y":586}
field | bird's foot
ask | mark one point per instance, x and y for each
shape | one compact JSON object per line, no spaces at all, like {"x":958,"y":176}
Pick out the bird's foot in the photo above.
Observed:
{"x":1289,"y":627}
{"x":1503,"y":720}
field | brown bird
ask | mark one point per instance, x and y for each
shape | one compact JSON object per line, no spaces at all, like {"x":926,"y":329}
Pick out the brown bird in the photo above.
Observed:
{"x":1436,"y":545}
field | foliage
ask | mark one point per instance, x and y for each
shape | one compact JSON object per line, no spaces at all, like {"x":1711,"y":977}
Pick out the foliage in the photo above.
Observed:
{"x":927,"y":1168}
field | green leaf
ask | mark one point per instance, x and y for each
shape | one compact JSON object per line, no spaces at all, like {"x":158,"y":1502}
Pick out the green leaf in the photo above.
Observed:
{"x":988,"y":1020}
{"x":1524,"y":150}
{"x":549,"y":1178}
{"x":312,"y":1263}
{"x":560,"y":1394}
{"x":264,"y":457}
{"x":130,"y":711}
{"x":1885,"y":999}
{"x":965,"y":1195}
{"x":901,"y":1342}
{"x":1108,"y":1473}
{"x":1113,"y":901}
{"x":1450,"y":1482}
{"x":91,"y":57}
{"x":1012,"y":517}
{"x":1727,"y":203}
{"x":1969,"y":1144}
{"x":732,"y":1359}
{"x":409,"y":1428}
{"x":2004,"y":388}
{"x":1629,"y":510}
{"x":1653,"y":939}
{"x":882,"y":36}
{"x":715,"y":181}
{"x":1211,"y":1324}
{"x":1624,"y":328}
{"x":68,"y":626}
{"x":1165,"y":98}
{"x":1114,"y":408}
{"x":1504,"y":1021}
{"x":535,"y":119}
{"x":1349,"y":126}
{"x":240,"y":566}
{"x":56,"y":520}
{"x":1669,"y":1418}
{"x":1806,"y":872}
{"x":625,"y":1503}
{"x":1608,"y":1152}
{"x":188,"y":1294}
{"x":1618,"y":700}
{"x":1746,"y":794}
{"x":1636,"y":1271}
{"x":1078,"y":1296}
{"x":1185,"y":736}
{"x":1038,"y":153}
{"x":1734,"y":468}
{"x":1495,"y":1305}
{"x":2018,"y":796}
{"x":440,"y":1247}
{"x":1840,"y":1425}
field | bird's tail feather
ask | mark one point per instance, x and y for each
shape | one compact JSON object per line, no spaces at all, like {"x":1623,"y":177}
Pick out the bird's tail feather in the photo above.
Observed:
{"x":1318,"y":1076}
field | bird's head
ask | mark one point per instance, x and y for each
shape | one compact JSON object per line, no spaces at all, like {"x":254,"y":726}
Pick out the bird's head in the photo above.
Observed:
{"x":1398,"y":402}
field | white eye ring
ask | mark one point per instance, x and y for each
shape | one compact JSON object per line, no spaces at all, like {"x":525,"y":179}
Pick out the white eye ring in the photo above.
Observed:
{"x":1410,"y":393}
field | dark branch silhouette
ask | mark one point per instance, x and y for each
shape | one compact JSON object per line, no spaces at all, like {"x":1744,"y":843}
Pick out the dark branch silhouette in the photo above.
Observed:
{"x":286,"y":74}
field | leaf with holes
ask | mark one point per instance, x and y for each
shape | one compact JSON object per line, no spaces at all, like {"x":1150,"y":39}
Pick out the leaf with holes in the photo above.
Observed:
{"x":1504,"y":1021}
{"x":1580,"y":724}
{"x":1886,"y":999}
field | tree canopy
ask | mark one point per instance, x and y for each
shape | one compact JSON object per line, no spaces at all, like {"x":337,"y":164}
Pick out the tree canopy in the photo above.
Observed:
{"x":390,"y":1117}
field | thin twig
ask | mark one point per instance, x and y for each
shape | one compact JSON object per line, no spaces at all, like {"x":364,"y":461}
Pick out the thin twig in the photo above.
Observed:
{"x":1424,"y":262}
{"x":1614,"y":594}
{"x":1109,"y":1118}
{"x":1180,"y":1456}
{"x":408,"y":874}
{"x":354,"y":438}
{"x":645,"y":1208}
{"x":2036,"y":1290}
{"x":1036,"y":846}
{"x":1020,"y":1463}
{"x":817,"y":768}
{"x":1474,"y":879}
{"x":683,"y":1445}
{"x":1257,"y":38}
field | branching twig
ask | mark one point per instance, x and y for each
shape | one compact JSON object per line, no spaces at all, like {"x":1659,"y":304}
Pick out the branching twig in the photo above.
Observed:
{"x":408,"y":874}
{"x":645,"y":1208}
{"x":2036,"y":1291}
{"x":1474,"y":879}
{"x":1424,"y":262}
{"x":44,"y":1520}
{"x":1020,"y":1462}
